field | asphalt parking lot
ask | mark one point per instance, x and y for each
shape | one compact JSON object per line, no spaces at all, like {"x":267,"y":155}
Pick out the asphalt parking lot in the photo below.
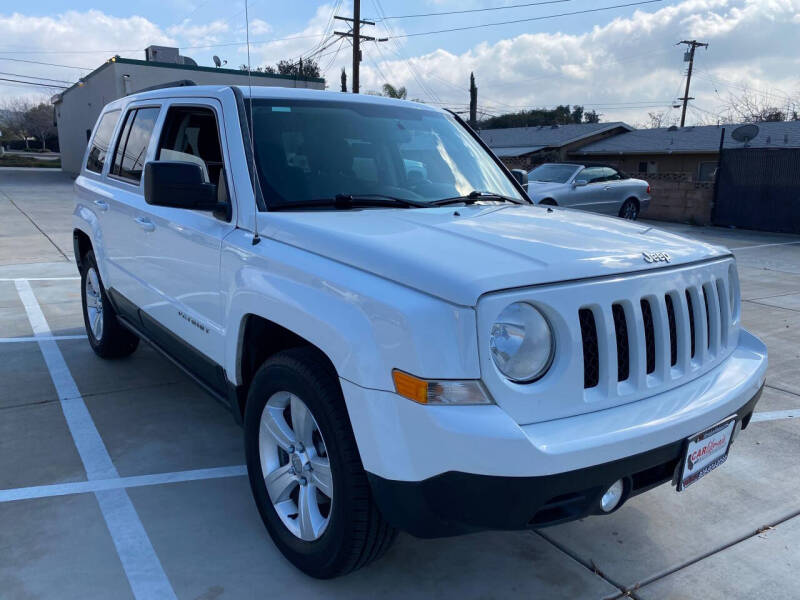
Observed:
{"x":124,"y":479}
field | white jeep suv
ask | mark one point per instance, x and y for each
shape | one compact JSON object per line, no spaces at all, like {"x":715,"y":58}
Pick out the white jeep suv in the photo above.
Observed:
{"x":407,"y":341}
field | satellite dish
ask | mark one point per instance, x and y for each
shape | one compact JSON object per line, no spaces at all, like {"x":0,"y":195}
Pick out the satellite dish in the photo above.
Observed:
{"x":217,"y":61}
{"x":745,"y":133}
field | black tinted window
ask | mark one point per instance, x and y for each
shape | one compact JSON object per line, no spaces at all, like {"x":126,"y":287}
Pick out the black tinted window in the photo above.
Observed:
{"x":102,"y":141}
{"x":131,"y":149}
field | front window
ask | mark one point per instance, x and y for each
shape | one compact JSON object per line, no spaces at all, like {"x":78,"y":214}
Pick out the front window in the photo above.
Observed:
{"x":317,"y":150}
{"x":552,"y":173}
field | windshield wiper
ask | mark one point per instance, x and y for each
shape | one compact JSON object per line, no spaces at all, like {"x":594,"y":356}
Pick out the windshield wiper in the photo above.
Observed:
{"x":475,"y":196}
{"x":348,"y":201}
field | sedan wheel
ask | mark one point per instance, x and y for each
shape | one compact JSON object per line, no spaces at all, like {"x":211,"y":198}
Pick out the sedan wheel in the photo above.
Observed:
{"x":629,"y":210}
{"x":295,"y":466}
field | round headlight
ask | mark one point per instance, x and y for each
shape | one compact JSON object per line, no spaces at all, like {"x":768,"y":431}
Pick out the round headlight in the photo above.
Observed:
{"x":522,"y":343}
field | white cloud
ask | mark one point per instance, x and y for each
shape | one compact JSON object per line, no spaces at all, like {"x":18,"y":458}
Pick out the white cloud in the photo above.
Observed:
{"x":624,"y":67}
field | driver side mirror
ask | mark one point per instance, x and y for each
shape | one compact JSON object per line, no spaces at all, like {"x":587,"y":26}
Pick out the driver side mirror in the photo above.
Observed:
{"x":180,"y":185}
{"x":521,"y":175}
{"x":579,"y":183}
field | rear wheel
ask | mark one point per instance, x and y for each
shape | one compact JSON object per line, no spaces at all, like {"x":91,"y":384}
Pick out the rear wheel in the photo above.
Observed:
{"x":629,"y":210}
{"x":106,"y":336}
{"x":305,"y":471}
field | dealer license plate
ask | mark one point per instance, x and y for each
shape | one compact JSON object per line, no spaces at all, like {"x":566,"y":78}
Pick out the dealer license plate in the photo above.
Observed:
{"x":706,"y":451}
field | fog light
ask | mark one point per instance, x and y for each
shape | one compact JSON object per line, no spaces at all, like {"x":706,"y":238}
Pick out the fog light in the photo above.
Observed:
{"x":612,"y":497}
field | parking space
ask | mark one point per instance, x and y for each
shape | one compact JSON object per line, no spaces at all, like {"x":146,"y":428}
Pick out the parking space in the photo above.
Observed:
{"x":123,"y":479}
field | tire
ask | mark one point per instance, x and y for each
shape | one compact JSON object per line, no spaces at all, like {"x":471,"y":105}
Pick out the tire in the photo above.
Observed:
{"x":344,"y":530}
{"x":106,"y":336}
{"x":629,"y":210}
{"x":548,"y":202}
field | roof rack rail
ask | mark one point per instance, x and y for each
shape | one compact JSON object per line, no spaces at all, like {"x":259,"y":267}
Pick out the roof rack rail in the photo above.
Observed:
{"x":169,"y":84}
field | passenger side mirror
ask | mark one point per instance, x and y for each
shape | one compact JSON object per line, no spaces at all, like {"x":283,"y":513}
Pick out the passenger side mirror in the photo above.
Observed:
{"x":179,"y":185}
{"x":579,"y":183}
{"x":521,"y":175}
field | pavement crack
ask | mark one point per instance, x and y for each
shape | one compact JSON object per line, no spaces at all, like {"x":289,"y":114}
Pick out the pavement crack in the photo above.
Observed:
{"x":624,"y":592}
{"x":697,"y":559}
{"x":35,"y":224}
{"x":780,"y":389}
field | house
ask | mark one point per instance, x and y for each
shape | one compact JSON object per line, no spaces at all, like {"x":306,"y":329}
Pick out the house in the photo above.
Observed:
{"x":693,"y":151}
{"x":680,"y":163}
{"x":526,"y":147}
{"x":78,"y":107}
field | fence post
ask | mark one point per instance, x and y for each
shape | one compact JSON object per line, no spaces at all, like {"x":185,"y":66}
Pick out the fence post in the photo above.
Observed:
{"x":716,"y":179}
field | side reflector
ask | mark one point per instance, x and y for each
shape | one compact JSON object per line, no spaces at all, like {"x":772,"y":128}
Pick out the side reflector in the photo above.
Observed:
{"x":445,"y":392}
{"x":410,"y":387}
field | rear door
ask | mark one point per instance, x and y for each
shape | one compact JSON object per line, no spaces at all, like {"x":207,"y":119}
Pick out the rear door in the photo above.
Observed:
{"x":178,"y":262}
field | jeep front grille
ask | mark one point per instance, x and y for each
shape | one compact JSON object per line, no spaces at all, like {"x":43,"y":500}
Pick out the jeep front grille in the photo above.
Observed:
{"x":655,"y":333}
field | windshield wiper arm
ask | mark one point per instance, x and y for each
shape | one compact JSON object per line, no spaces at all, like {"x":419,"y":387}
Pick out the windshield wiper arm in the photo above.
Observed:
{"x":474,"y":196}
{"x":348,"y":201}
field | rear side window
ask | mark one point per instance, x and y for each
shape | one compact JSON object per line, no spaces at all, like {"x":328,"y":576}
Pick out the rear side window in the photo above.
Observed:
{"x":102,"y":141}
{"x":131,"y":150}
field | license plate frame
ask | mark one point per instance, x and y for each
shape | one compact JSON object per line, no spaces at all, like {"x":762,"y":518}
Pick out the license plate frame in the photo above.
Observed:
{"x":696,"y":464}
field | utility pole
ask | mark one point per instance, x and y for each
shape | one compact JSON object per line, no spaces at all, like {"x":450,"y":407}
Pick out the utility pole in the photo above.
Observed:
{"x":473,"y":102}
{"x":355,"y":33}
{"x":689,"y":57}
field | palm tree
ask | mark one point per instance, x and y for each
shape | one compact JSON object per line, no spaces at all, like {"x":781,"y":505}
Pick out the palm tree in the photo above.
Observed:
{"x":393,"y":92}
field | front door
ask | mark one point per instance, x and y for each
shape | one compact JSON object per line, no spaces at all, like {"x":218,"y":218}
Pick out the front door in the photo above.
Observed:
{"x":594,"y":195}
{"x":179,"y":259}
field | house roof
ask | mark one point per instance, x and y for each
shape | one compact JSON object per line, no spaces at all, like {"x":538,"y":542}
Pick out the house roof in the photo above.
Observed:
{"x":516,"y":141}
{"x":693,"y":140}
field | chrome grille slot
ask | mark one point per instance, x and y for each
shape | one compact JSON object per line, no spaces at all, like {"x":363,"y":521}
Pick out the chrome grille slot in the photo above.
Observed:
{"x":623,"y":343}
{"x":649,"y":335}
{"x":591,"y":355}
{"x":673,"y":331}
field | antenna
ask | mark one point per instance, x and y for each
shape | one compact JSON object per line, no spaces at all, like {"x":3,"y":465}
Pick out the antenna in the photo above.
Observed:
{"x":217,"y":61}
{"x":256,"y":238}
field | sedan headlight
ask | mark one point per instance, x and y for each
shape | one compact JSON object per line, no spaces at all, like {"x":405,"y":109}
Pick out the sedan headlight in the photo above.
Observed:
{"x":522,"y":343}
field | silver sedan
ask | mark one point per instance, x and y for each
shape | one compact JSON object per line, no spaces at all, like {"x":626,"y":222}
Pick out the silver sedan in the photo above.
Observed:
{"x":598,"y":188}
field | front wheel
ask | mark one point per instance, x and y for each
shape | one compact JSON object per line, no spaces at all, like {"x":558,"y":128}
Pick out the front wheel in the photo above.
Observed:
{"x":629,"y":210}
{"x":304,"y":468}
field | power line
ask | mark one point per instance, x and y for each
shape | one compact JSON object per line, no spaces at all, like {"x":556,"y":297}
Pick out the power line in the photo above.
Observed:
{"x":472,"y":10}
{"x":37,"y":77}
{"x":542,"y":18}
{"x":36,"y":62}
{"x":50,"y":85}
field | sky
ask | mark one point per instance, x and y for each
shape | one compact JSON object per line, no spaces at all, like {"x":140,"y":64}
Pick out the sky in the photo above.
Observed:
{"x":623,"y":62}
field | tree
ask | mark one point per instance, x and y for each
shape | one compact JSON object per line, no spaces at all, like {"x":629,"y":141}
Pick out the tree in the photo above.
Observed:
{"x":40,"y":122}
{"x":541,"y":117}
{"x":393,"y":92}
{"x":753,"y":107}
{"x":344,"y":80}
{"x":307,"y":68}
{"x":14,"y":122}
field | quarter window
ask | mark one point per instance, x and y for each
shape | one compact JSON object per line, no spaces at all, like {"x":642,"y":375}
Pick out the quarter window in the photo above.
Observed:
{"x":131,"y":150}
{"x":102,"y":141}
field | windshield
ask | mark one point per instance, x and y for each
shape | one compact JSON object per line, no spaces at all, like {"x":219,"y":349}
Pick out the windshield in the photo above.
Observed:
{"x":309,"y":150}
{"x":552,"y":173}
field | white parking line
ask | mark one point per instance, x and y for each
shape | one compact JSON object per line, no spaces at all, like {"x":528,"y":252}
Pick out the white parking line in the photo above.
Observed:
{"x":99,"y":485}
{"x":139,"y":560}
{"x":776,"y":415}
{"x":71,"y":278}
{"x":765,"y":245}
{"x":51,"y":338}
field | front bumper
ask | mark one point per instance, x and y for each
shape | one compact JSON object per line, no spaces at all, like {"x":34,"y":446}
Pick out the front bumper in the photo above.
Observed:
{"x":448,"y":464}
{"x":458,"y":503}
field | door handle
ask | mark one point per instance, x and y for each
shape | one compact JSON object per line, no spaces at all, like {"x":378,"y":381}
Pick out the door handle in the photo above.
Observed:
{"x":145,"y":223}
{"x":101,"y":204}
{"x":607,"y":188}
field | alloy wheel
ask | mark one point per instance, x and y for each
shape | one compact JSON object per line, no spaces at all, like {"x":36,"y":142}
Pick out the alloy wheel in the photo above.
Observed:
{"x":94,"y":303}
{"x":295,"y":466}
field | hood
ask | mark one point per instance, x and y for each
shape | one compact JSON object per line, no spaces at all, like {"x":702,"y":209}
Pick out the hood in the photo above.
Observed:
{"x":460,"y":253}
